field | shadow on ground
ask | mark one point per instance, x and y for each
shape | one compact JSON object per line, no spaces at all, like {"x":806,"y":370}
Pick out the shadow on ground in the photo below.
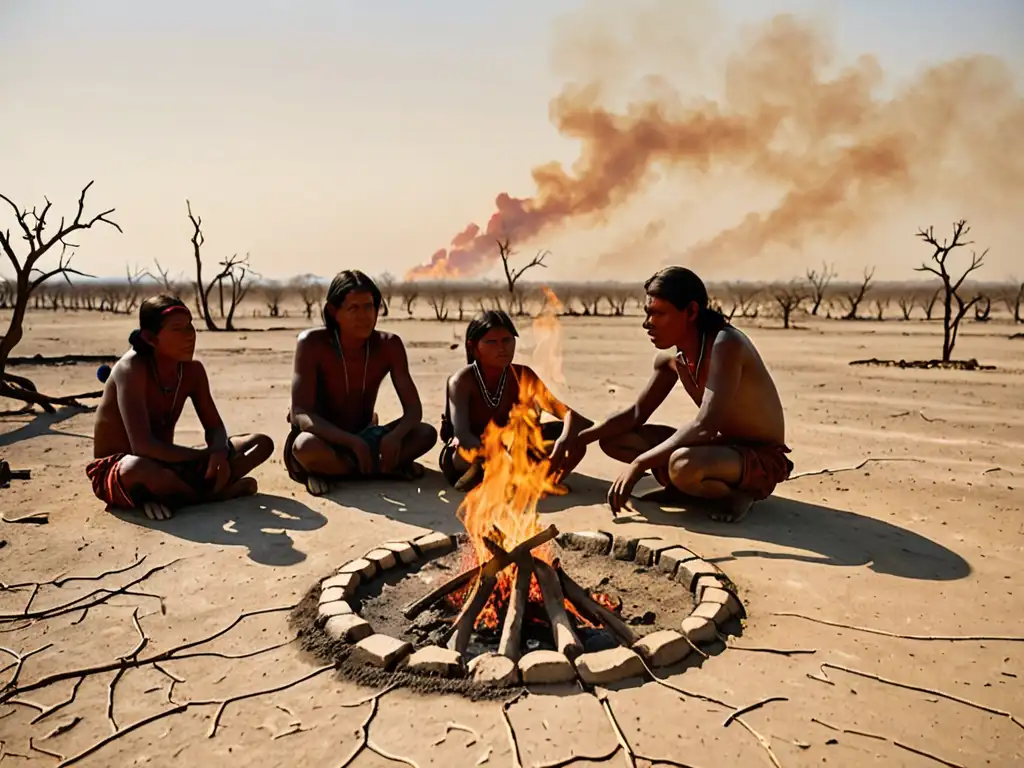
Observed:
{"x":259,"y":523}
{"x":39,"y":424}
{"x":832,"y":536}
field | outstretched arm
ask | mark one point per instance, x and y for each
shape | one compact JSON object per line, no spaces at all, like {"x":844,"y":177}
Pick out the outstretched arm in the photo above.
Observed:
{"x":213,"y":425}
{"x":131,"y":402}
{"x":658,"y":387}
{"x":405,"y":388}
{"x":573,"y":422}
{"x":726,"y":368}
{"x":303,"y":412}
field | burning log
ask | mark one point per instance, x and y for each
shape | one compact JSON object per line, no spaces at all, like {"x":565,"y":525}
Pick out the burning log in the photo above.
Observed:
{"x":494,"y":566}
{"x":594,"y":611}
{"x":510,"y":644}
{"x":462,"y":628}
{"x":554,"y":604}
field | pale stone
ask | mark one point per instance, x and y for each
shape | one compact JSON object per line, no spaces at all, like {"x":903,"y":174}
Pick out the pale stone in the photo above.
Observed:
{"x":494,"y":669}
{"x":716,"y":612}
{"x":660,"y":649}
{"x":331,"y":594}
{"x":434,"y":544}
{"x":404,"y":550}
{"x":691,"y":570}
{"x":699,"y":630}
{"x":624,"y":548}
{"x":382,"y":558}
{"x":334,"y":608}
{"x":649,"y":550}
{"x":541,"y":667}
{"x":346,"y":582}
{"x":591,"y":542}
{"x":381,"y":650}
{"x":714,"y":595}
{"x":670,"y":559}
{"x":434,"y":660}
{"x":349,"y":627}
{"x":609,"y":666}
{"x":361,"y":565}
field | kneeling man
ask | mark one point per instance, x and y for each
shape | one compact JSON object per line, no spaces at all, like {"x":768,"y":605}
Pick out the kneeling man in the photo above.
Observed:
{"x":136,"y":464}
{"x":338,"y":372}
{"x":733,"y":452}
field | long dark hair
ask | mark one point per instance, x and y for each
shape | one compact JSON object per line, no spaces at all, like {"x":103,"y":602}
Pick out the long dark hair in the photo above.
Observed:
{"x":345,"y":282}
{"x":152,"y":313}
{"x":486,"y":321}
{"x":680,"y":287}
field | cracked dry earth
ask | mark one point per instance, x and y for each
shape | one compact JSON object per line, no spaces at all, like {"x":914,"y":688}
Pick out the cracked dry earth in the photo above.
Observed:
{"x":927,"y":545}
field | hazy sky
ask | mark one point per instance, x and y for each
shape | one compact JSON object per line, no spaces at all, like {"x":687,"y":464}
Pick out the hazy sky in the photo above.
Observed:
{"x":320,"y":135}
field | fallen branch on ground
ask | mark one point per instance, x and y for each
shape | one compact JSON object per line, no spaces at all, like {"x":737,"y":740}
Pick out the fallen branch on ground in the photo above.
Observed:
{"x":920,"y":689}
{"x":34,"y":518}
{"x":879,"y":737}
{"x":884,"y":633}
{"x":751,"y":708}
{"x":863,"y":464}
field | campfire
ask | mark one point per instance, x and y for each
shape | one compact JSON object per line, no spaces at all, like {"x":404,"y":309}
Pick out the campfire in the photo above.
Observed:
{"x":508,"y":564}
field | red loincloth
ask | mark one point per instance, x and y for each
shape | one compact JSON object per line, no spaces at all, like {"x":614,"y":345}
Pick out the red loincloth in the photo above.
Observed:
{"x":106,"y":481}
{"x":765,"y":465}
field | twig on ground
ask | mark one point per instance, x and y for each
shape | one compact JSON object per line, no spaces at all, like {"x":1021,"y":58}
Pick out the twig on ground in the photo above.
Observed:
{"x":241,"y":697}
{"x":62,"y":728}
{"x":291,"y":730}
{"x":921,"y":752}
{"x":517,"y":760}
{"x":453,"y":726}
{"x":60,"y":581}
{"x":620,"y":737}
{"x":894,"y":742}
{"x":21,"y":657}
{"x":762,"y":741}
{"x":921,"y":689}
{"x":885,"y":633}
{"x":827,"y":725}
{"x":484,"y":757}
{"x":45,"y":712}
{"x":110,"y":698}
{"x":863,"y":464}
{"x":34,"y":518}
{"x":750,"y":708}
{"x":34,"y":748}
{"x":776,"y":651}
{"x":683,"y":691}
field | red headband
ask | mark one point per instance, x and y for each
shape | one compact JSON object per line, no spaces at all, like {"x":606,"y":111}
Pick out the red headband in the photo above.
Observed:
{"x":175,"y":308}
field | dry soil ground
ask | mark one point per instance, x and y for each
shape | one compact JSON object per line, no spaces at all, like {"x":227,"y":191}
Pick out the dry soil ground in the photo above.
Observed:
{"x":927,"y":545}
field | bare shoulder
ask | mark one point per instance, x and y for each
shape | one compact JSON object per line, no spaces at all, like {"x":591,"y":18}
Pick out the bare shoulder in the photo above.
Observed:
{"x":193,"y":371}
{"x":390,"y":343}
{"x":314,"y":337}
{"x":461,"y":379}
{"x":665,"y":361}
{"x":130,"y":367}
{"x":732,"y":345}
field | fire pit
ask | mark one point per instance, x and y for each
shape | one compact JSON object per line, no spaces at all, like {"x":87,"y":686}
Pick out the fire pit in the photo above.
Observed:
{"x":513,"y":612}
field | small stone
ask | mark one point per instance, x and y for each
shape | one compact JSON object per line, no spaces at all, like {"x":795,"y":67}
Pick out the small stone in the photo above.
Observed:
{"x":349,"y":627}
{"x":670,"y":559}
{"x":705,"y":582}
{"x":382,"y":558}
{"x":333,"y":608}
{"x":624,"y":548}
{"x":331,"y":594}
{"x":714,"y":595}
{"x":541,"y":667}
{"x":434,"y":660}
{"x":434,"y":544}
{"x":494,"y":669}
{"x":346,"y":582}
{"x":716,"y":612}
{"x":591,"y":542}
{"x":648,"y":550}
{"x":381,"y":650}
{"x":609,"y":666}
{"x":699,"y":630}
{"x":690,"y":570}
{"x":404,"y":550}
{"x":361,"y":566}
{"x":660,"y":649}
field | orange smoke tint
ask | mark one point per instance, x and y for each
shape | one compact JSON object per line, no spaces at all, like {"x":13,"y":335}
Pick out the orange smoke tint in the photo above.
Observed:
{"x":547,"y":333}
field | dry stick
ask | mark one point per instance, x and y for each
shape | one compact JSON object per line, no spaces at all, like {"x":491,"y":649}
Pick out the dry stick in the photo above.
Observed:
{"x":104,"y":595}
{"x":777,"y":651}
{"x":168,"y":655}
{"x":62,"y":728}
{"x":45,"y":712}
{"x":61,"y":579}
{"x":20,"y":663}
{"x":554,"y":605}
{"x":181,"y":708}
{"x":859,"y":466}
{"x":35,"y":518}
{"x":496,"y":564}
{"x":110,"y":698}
{"x":921,"y":752}
{"x":921,"y":689}
{"x":594,"y":611}
{"x":627,"y":750}
{"x":241,"y":697}
{"x":33,"y":747}
{"x":879,"y":737}
{"x":462,"y":629}
{"x":884,"y":633}
{"x":510,"y":644}
{"x":751,"y":708}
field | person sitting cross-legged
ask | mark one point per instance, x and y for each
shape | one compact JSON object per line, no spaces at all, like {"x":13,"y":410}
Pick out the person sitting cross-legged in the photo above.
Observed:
{"x":137,"y":464}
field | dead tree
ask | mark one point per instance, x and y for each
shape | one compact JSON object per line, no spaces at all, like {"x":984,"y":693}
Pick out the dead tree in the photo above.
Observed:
{"x":929,"y":306}
{"x":6,"y":293}
{"x":29,"y":277}
{"x":410,"y":295}
{"x":239,"y":274}
{"x":819,"y":282}
{"x":235,"y":272}
{"x":951,"y":288}
{"x":310,"y":291}
{"x":856,"y":296}
{"x":387,"y":282}
{"x":512,"y":275}
{"x":790,"y":297}
{"x":744,"y":299}
{"x":907,"y":302}
{"x":983,"y":309}
{"x":437,"y":297}
{"x":273,"y":292}
{"x":1013,"y":300}
{"x":881,"y":304}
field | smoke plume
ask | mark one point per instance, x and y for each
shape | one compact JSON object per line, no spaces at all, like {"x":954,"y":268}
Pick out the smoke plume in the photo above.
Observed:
{"x":837,"y":153}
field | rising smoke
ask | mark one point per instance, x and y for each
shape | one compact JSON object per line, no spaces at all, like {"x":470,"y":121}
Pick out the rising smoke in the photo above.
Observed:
{"x":837,"y":152}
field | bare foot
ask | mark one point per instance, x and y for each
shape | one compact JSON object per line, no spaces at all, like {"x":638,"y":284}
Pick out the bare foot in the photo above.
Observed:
{"x":318,"y":486}
{"x":244,"y":486}
{"x":156,"y":511}
{"x":411,"y":471}
{"x":732,"y":509}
